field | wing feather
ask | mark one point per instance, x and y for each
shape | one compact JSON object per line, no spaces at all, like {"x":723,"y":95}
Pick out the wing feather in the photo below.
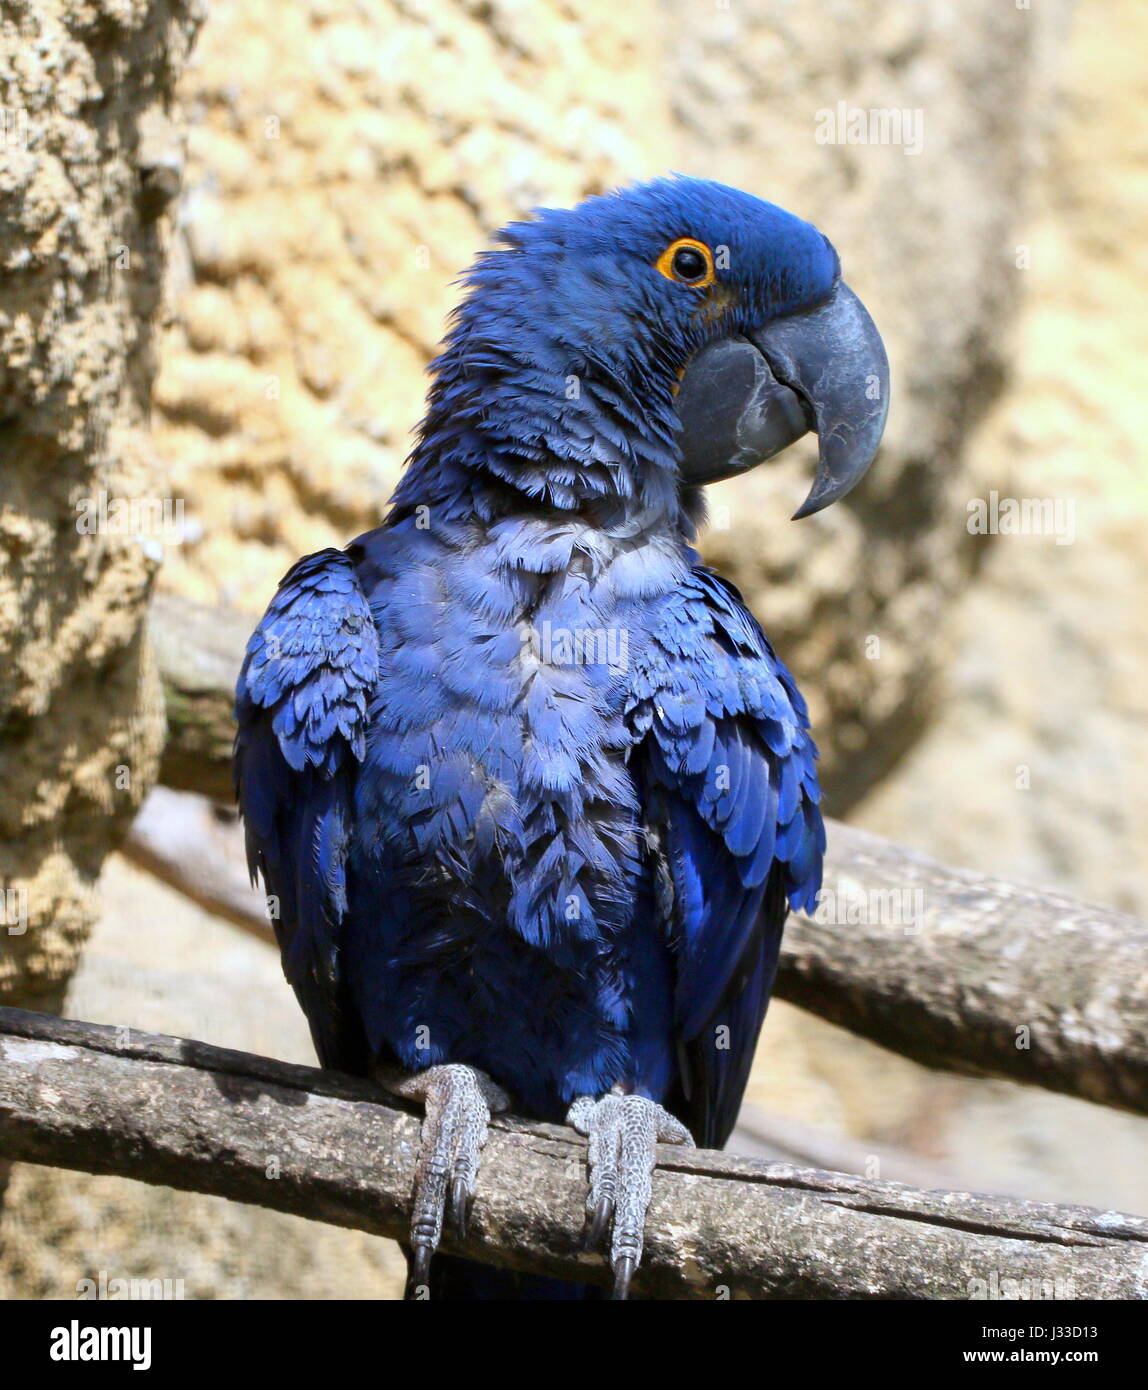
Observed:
{"x":730,"y":792}
{"x":301,"y":709}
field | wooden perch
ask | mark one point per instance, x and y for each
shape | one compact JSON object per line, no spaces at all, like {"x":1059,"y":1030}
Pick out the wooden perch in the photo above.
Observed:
{"x":199,"y":651}
{"x":991,"y":978}
{"x":323,"y":1146}
{"x":196,"y":847}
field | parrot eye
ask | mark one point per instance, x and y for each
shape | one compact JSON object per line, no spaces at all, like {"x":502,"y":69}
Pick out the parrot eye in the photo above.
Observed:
{"x":689,"y":262}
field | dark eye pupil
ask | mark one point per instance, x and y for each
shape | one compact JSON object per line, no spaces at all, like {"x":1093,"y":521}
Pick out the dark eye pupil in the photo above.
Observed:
{"x":689,"y":263}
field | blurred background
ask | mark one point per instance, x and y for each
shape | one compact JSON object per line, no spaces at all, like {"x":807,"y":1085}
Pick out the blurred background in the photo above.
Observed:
{"x":980,"y":697}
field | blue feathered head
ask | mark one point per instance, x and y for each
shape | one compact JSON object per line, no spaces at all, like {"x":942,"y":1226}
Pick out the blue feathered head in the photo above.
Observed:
{"x":646,"y":275}
{"x":649,"y":340}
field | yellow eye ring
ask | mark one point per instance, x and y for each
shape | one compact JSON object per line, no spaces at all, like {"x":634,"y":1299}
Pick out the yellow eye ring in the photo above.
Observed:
{"x":688,"y":262}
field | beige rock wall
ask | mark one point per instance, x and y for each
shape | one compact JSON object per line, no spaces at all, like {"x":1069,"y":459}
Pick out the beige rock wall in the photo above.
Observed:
{"x":345,"y":162}
{"x":86,"y":155}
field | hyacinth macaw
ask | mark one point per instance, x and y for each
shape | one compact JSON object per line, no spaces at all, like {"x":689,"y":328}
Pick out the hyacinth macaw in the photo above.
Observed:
{"x":529,"y":786}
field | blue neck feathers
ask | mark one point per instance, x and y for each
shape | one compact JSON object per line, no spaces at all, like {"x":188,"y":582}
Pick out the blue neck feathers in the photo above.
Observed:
{"x":574,"y":417}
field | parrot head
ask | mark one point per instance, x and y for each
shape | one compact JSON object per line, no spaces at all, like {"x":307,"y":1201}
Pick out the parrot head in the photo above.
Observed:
{"x":707,"y":325}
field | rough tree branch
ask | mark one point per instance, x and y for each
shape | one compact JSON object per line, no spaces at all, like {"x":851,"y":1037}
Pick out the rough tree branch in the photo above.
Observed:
{"x":319,"y":1145}
{"x":995,"y":979}
{"x":199,"y":651}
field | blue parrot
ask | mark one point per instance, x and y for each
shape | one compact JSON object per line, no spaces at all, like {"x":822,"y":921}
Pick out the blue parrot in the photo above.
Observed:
{"x":529,"y":786}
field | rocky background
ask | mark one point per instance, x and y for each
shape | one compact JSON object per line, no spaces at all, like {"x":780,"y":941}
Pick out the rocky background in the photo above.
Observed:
{"x":975,"y":696}
{"x":84,"y":132}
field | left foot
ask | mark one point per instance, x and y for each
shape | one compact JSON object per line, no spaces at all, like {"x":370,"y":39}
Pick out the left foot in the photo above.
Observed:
{"x":459,"y":1101}
{"x":623,"y":1131}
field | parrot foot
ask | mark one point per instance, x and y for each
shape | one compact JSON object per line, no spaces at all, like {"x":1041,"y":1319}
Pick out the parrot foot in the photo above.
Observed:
{"x":459,"y":1101}
{"x":623,"y":1131}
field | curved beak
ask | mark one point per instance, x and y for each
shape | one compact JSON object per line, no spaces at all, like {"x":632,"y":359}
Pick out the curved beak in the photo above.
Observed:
{"x":743,"y":400}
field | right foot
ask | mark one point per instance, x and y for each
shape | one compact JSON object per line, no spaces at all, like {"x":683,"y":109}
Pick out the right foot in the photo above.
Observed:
{"x":623,"y":1131}
{"x":459,"y":1101}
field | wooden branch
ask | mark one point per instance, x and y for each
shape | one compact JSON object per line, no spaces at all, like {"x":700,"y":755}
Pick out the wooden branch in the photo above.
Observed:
{"x":185,"y":1115}
{"x":988,"y":977}
{"x":199,"y":652}
{"x":196,"y":847}
{"x":951,"y":968}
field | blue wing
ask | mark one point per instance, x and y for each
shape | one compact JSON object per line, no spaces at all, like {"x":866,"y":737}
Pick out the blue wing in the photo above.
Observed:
{"x":301,"y":707}
{"x":728,"y":774}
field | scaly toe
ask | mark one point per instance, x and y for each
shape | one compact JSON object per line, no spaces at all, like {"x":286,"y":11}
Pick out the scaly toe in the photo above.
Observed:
{"x":459,"y":1101}
{"x":623,"y":1132}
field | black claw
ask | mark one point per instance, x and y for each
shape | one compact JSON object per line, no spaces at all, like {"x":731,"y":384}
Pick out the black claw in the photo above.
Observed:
{"x":623,"y":1273}
{"x":418,"y":1276}
{"x":459,"y":1207}
{"x":598,"y":1223}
